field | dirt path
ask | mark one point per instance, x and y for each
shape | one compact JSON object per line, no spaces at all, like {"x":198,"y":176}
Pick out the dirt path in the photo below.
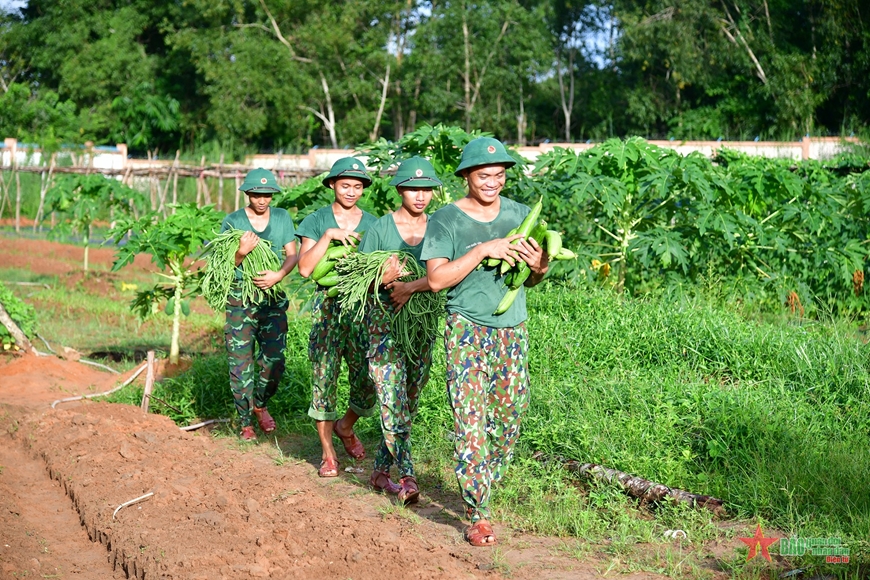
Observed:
{"x":39,"y":532}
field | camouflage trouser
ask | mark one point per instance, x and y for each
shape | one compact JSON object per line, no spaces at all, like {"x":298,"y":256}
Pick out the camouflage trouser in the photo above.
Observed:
{"x":488,"y":387}
{"x":265,"y":324}
{"x":398,"y":382}
{"x":331,"y":341}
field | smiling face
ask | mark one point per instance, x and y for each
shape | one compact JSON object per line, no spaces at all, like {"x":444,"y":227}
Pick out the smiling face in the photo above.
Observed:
{"x":485,"y":182}
{"x":415,"y":200}
{"x":348,"y":190}
{"x":259,"y":202}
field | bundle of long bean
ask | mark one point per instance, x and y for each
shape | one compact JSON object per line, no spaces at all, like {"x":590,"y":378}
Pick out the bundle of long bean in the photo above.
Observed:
{"x":415,"y":323}
{"x":220,"y":269}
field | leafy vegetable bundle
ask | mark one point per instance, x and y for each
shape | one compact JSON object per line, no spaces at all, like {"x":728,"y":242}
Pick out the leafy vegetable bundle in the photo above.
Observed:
{"x":415,"y":323}
{"x":220,"y":269}
{"x":516,"y":275}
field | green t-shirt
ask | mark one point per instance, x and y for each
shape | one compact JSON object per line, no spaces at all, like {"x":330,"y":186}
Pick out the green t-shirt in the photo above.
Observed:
{"x":384,"y":235}
{"x":451,"y":234}
{"x":315,"y":224}
{"x":279,"y":231}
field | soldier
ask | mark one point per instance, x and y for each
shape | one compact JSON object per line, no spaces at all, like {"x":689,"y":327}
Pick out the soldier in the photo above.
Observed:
{"x":487,"y":373}
{"x":264,"y":322}
{"x":333,"y":338}
{"x":398,"y":380}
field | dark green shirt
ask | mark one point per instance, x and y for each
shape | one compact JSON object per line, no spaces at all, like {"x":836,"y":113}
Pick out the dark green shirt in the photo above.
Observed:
{"x":279,"y":231}
{"x":315,"y":224}
{"x":451,"y":234}
{"x":384,"y":235}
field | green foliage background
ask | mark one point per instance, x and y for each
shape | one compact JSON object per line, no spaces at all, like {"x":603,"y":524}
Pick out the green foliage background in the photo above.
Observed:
{"x":252,"y":75}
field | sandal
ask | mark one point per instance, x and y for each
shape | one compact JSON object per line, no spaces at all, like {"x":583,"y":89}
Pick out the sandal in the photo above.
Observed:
{"x":328,"y":467}
{"x":380,"y":481}
{"x":409,"y":493}
{"x":478,"y":533}
{"x":248,"y":434}
{"x":267,"y":423}
{"x":352,"y":445}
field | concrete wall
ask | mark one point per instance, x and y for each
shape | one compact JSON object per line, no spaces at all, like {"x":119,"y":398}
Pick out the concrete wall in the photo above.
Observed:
{"x":320,"y":160}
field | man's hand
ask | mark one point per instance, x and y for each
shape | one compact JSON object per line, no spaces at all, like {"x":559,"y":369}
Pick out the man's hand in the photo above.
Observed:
{"x":247,"y":243}
{"x":347,"y":237}
{"x":400,"y":293}
{"x":267,"y":279}
{"x":394,"y":269}
{"x":534,"y":256}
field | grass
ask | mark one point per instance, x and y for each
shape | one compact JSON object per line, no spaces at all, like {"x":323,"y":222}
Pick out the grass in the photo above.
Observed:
{"x":772,"y":416}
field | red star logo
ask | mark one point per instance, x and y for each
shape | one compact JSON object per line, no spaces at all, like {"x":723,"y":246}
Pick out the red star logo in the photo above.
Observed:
{"x":758,"y":540}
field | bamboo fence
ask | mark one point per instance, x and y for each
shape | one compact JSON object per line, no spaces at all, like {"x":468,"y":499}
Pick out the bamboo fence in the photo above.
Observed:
{"x":159,"y":180}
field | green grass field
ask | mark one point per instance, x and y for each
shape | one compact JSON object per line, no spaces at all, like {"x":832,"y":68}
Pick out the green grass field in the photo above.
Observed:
{"x":771,"y":416}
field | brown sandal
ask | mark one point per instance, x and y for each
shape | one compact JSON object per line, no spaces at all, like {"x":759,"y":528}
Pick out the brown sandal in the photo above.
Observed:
{"x":328,"y":467}
{"x":380,"y":481}
{"x":409,"y":493}
{"x":267,"y":423}
{"x":352,"y":445}
{"x":477,"y":534}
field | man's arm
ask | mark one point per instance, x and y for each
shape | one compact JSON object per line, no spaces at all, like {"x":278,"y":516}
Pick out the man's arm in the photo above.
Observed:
{"x":444,"y":273}
{"x":267,"y":278}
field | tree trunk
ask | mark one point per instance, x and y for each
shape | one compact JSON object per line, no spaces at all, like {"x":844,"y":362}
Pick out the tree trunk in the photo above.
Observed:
{"x":567,"y":103}
{"x":21,"y":340}
{"x":466,"y":77}
{"x":521,"y":120}
{"x":330,"y":113}
{"x":386,"y":85}
{"x":645,"y":490}
{"x":45,"y":186}
{"x":176,"y":326}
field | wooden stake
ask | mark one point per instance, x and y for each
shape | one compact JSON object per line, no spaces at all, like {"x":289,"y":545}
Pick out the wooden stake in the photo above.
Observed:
{"x":17,"y":203}
{"x":4,"y":189}
{"x":149,"y":382}
{"x":175,"y":183}
{"x":221,"y":184}
{"x":238,"y":185}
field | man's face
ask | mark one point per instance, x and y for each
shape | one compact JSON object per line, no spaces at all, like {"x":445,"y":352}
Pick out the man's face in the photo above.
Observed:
{"x":259,"y":201}
{"x":415,"y":199}
{"x":348,"y":190}
{"x":485,"y":182}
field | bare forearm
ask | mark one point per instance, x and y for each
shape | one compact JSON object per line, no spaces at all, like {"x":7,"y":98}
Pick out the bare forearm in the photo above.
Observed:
{"x":289,"y":263}
{"x":451,"y":273}
{"x":308,"y":259}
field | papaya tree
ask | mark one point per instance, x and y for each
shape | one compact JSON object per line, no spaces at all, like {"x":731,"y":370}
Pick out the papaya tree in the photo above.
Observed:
{"x":173,"y":243}
{"x":81,"y":200}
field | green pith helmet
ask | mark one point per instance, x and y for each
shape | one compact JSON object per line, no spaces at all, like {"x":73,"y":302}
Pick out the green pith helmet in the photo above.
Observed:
{"x":260,"y":180}
{"x":416,"y":172}
{"x":348,"y":167}
{"x":484,"y":151}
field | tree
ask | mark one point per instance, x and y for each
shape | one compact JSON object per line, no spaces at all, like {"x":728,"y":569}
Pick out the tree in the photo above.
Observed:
{"x":80,"y":200}
{"x":172,"y":243}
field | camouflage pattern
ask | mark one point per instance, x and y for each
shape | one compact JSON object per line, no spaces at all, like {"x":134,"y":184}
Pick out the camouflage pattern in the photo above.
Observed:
{"x":331,"y":340}
{"x":398,"y":382}
{"x":488,"y":388}
{"x":263,"y":324}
